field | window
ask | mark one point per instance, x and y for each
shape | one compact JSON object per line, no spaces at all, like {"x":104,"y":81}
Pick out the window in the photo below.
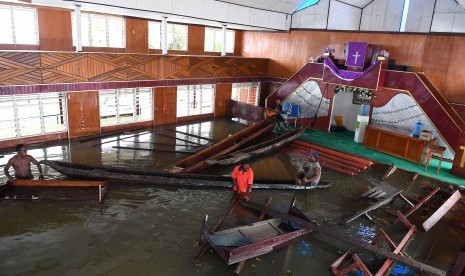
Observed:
{"x":154,"y":35}
{"x":19,"y":25}
{"x":177,"y":36}
{"x":195,"y":100}
{"x":124,"y":106}
{"x":100,"y":30}
{"x":32,"y":114}
{"x":214,"y":40}
{"x":248,"y":93}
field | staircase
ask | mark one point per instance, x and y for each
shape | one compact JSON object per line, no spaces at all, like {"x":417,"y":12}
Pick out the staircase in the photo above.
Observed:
{"x":330,"y":158}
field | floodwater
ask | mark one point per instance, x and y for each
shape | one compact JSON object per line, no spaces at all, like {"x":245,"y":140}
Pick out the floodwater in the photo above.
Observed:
{"x":147,"y":230}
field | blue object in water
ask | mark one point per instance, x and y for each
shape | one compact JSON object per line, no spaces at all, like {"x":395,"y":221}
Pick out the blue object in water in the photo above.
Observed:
{"x":365,"y":109}
{"x":417,"y":128}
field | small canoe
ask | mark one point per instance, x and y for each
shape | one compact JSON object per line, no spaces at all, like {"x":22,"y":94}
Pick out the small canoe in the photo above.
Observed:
{"x":165,"y":179}
{"x":249,"y":241}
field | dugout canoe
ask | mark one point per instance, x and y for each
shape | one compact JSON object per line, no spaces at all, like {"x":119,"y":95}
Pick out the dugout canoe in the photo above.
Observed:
{"x":166,"y":179}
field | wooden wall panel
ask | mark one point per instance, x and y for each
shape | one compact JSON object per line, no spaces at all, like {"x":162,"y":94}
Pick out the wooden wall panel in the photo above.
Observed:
{"x":137,"y":35}
{"x":436,"y":59}
{"x":238,"y":43}
{"x":222,"y":95}
{"x":55,"y":32}
{"x":66,"y":67}
{"x":19,"y":68}
{"x":83,"y":113}
{"x":196,"y":40}
{"x":164,"y":100}
{"x":201,"y":67}
{"x":455,"y":80}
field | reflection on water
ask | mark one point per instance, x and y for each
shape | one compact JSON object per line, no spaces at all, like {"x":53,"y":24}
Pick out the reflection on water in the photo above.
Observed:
{"x":142,"y":230}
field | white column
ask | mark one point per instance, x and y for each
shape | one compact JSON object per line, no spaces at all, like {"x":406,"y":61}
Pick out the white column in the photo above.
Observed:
{"x":164,"y":36}
{"x":77,"y":14}
{"x":223,"y":47}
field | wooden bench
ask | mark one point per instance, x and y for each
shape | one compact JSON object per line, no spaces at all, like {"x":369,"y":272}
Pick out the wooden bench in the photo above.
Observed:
{"x":101,"y":185}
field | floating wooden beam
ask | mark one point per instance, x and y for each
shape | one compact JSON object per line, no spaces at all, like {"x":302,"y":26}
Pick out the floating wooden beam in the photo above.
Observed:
{"x":335,"y":234}
{"x":390,"y":171}
{"x":431,"y":221}
{"x":184,"y":140}
{"x":193,"y":135}
{"x":158,"y":150}
{"x":138,"y":134}
{"x":93,"y":137}
{"x":170,"y":144}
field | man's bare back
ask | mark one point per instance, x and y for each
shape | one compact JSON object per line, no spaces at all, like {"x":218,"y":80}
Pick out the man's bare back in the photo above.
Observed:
{"x":21,"y":164}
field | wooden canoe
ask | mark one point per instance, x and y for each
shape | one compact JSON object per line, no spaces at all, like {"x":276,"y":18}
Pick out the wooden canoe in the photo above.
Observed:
{"x":262,"y":148}
{"x":165,"y":179}
{"x":249,"y":241}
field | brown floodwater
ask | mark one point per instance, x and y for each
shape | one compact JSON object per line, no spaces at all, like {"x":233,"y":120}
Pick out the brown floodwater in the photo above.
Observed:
{"x":148,"y":230}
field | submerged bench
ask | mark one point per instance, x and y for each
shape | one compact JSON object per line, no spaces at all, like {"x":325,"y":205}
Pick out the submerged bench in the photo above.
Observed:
{"x":101,"y":185}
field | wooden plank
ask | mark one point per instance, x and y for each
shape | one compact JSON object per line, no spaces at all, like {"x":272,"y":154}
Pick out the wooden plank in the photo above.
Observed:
{"x":399,"y":247}
{"x":103,"y":135}
{"x":192,"y":135}
{"x":431,"y":221}
{"x":416,"y":206}
{"x":459,"y":265}
{"x":374,"y":206}
{"x":370,"y":191}
{"x":57,"y":183}
{"x":157,"y":150}
{"x":173,"y":137}
{"x":351,"y":240}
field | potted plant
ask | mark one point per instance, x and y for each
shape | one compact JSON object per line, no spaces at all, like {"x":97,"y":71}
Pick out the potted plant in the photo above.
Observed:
{"x":328,"y":51}
{"x":383,"y":55}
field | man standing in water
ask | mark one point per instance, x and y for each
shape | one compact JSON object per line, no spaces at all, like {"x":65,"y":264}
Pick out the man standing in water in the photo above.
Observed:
{"x":311,"y":172}
{"x":21,"y":164}
{"x":242,"y":176}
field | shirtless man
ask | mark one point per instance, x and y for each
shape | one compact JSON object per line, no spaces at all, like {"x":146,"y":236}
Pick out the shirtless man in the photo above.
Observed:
{"x":21,"y":163}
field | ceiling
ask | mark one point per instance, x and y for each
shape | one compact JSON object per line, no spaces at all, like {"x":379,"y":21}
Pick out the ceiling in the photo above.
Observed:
{"x":287,"y":6}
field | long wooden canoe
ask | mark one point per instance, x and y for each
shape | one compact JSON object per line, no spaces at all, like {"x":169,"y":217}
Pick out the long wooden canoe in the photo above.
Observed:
{"x":166,"y":179}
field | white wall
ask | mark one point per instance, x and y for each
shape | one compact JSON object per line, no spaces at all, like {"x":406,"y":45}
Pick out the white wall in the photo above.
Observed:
{"x":343,"y":16}
{"x":313,"y":17}
{"x":419,"y":17}
{"x":449,"y":16}
{"x":382,"y":15}
{"x":342,"y":105}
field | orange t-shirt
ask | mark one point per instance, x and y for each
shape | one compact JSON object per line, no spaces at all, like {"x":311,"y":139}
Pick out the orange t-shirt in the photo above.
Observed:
{"x":243,"y":178}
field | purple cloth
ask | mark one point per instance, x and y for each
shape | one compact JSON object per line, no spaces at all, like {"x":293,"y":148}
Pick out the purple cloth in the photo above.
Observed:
{"x":345,"y":74}
{"x":356,"y":52}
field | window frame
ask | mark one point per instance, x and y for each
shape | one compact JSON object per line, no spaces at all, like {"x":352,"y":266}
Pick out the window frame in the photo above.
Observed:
{"x":38,"y":100}
{"x":88,"y":16}
{"x":119,"y":118}
{"x":198,"y":106}
{"x":169,"y":27}
{"x":214,"y":41}
{"x":11,"y":8}
{"x":248,"y":86}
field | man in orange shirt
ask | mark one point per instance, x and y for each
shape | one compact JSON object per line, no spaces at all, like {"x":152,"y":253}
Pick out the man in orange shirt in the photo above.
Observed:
{"x":242,"y":176}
